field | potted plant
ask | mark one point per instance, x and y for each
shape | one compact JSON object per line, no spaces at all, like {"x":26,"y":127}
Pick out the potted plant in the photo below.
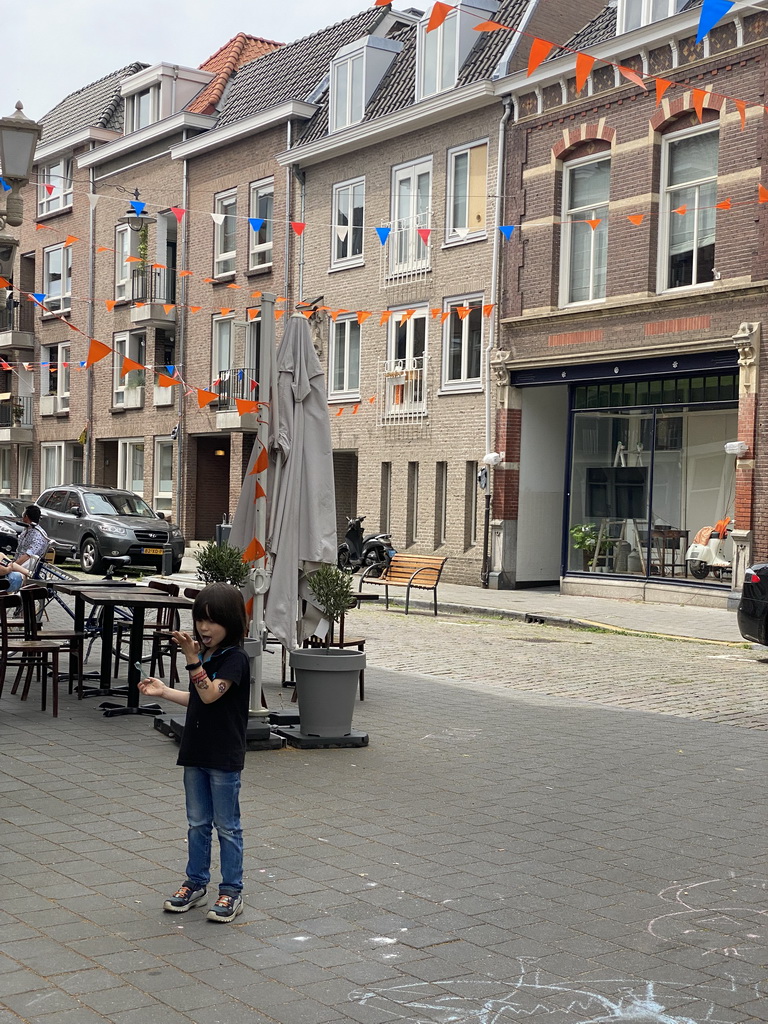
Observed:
{"x":326,"y":677}
{"x":584,"y":538}
{"x":221,"y":564}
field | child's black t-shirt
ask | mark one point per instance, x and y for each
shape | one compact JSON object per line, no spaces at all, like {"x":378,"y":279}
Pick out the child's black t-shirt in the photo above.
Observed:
{"x":214,"y":734}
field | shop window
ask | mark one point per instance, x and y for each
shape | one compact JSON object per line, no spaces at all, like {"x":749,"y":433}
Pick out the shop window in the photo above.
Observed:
{"x":689,"y":195}
{"x":584,"y":262}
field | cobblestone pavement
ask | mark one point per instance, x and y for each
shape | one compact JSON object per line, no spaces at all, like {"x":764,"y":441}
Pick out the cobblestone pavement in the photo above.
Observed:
{"x":497,"y":854}
{"x":709,"y":682}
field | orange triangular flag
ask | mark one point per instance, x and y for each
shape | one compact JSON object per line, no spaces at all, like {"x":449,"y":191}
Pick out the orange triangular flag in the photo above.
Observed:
{"x":139,"y":305}
{"x":435,"y":313}
{"x":632,"y":76}
{"x":234,"y":286}
{"x":385,"y":316}
{"x":195,"y":309}
{"x":407,"y":316}
{"x":488,"y":308}
{"x":159,"y":266}
{"x":110,"y":304}
{"x":540,"y":50}
{"x":682,"y":210}
{"x":226,"y":310}
{"x":253,"y":313}
{"x":254,"y":551}
{"x":168,"y":307}
{"x":741,"y":106}
{"x":104,"y":248}
{"x":355,"y":407}
{"x":245,"y":405}
{"x":341,"y":410}
{"x":362,"y":316}
{"x":298,"y":226}
{"x":258,"y":492}
{"x":490,"y":26}
{"x":70,"y":239}
{"x":165,"y":381}
{"x":439,"y":13}
{"x":635,"y":218}
{"x":205,"y":397}
{"x":132,"y":259}
{"x":463,"y":312}
{"x":725,"y":205}
{"x":185,"y":273}
{"x":255,"y":295}
{"x":584,"y":64}
{"x":308,"y":313}
{"x":130,"y":364}
{"x":593,"y":223}
{"x":334,"y":313}
{"x":762,"y":194}
{"x":5,"y":283}
{"x":279,"y":313}
{"x":662,"y":84}
{"x":382,"y":3}
{"x":261,"y":462}
{"x":444,"y":316}
{"x":699,"y":95}
{"x":96,"y":350}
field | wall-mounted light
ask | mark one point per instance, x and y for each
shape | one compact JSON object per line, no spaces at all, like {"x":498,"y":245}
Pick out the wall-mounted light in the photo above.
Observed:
{"x":737,"y":448}
{"x":135,"y":217}
{"x":219,"y":451}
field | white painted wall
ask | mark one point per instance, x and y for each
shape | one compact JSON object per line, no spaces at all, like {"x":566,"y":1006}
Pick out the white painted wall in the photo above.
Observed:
{"x":542,"y":475}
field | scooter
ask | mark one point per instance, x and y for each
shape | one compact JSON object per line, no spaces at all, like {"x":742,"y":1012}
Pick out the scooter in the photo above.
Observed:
{"x":706,"y":554}
{"x":359,"y":552}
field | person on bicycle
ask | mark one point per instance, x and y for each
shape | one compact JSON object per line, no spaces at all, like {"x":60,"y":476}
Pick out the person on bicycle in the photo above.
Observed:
{"x":32,"y":545}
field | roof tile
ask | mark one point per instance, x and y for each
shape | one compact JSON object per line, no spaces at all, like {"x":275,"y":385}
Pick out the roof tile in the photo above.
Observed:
{"x":240,"y":50}
{"x":98,"y":105}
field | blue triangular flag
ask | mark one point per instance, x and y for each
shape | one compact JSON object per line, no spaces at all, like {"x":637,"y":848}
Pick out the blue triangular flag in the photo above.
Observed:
{"x":383,"y":234}
{"x":711,"y":12}
{"x":506,"y":230}
{"x":256,"y":222}
{"x":138,"y":207}
{"x":38,"y":296}
{"x":5,"y":186}
{"x":171,"y":369}
{"x":82,"y":363}
{"x":239,"y":374}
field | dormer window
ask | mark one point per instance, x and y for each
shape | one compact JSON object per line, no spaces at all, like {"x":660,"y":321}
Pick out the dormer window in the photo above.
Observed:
{"x":356,"y":72}
{"x":634,"y":13}
{"x":441,"y":53}
{"x":142,"y":109}
{"x":347,"y":91}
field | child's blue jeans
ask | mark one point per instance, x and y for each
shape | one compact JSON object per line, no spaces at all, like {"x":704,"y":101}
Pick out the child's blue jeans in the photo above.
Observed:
{"x":212,"y":797}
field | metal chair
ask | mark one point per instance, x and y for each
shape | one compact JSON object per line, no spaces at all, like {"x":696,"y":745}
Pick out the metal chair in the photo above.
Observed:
{"x":28,"y":655}
{"x":71,"y":641}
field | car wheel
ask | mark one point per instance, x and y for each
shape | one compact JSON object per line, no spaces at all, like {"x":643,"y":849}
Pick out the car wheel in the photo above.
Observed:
{"x":90,"y":559}
{"x":699,"y":570}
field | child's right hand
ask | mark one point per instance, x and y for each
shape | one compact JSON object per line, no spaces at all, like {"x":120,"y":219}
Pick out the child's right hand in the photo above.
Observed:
{"x":152,"y":687}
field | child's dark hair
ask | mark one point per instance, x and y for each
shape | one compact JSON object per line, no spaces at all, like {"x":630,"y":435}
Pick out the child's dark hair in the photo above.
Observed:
{"x":223,"y":604}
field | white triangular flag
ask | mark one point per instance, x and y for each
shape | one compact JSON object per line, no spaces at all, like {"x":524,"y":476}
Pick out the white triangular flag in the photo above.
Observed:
{"x":462,"y":232}
{"x":218,"y":218}
{"x":93,"y":199}
{"x":342,"y":233}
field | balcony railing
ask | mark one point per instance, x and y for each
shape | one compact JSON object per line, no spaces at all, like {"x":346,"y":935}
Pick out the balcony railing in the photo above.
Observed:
{"x":16,"y":412}
{"x":236,"y":382}
{"x":17,"y":316}
{"x":153,"y":284}
{"x":402,"y":390}
{"x":406,"y":256}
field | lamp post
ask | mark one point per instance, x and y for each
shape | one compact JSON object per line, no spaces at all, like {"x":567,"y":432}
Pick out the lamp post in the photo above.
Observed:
{"x":18,"y":139}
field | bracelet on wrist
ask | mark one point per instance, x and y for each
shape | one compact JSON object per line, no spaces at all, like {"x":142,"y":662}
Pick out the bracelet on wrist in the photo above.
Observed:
{"x":192,"y":665}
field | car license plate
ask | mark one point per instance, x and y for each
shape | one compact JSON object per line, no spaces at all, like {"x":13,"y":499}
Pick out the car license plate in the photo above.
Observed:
{"x":151,"y":551}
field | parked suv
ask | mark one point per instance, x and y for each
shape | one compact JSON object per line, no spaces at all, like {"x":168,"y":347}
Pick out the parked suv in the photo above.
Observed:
{"x":90,"y":523}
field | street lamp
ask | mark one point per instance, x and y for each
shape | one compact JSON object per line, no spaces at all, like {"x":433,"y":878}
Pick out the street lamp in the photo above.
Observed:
{"x":135,"y":218}
{"x":18,"y":138}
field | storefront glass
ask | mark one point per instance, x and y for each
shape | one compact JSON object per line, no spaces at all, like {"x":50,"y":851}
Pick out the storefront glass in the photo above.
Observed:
{"x":650,"y":477}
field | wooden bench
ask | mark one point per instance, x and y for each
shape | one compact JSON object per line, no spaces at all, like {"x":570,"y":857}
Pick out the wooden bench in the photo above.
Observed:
{"x":421,"y":572}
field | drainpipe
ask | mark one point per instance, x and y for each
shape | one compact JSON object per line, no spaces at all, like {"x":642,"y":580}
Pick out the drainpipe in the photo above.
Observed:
{"x":90,"y":446}
{"x":485,"y":571}
{"x":181,"y":328}
{"x":287,"y":272}
{"x":302,"y":180}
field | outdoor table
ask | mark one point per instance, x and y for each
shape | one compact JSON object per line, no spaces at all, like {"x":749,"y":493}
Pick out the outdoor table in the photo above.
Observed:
{"x":138,"y":599}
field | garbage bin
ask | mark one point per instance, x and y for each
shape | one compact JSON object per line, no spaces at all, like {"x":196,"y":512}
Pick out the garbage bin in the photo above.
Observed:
{"x":223,"y":531}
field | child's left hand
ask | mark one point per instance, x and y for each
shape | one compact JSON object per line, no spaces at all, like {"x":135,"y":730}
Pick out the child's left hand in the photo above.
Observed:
{"x":189,"y":646}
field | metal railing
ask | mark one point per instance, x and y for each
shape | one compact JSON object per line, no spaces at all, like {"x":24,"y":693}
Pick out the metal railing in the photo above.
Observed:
{"x":17,"y":316}
{"x":236,"y":382}
{"x":16,"y":411}
{"x":153,"y":284}
{"x":406,"y":256}
{"x":402,"y":390}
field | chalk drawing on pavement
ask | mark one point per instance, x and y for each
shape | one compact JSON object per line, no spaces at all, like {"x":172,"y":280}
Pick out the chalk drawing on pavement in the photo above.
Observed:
{"x":529,"y":996}
{"x":722,"y":916}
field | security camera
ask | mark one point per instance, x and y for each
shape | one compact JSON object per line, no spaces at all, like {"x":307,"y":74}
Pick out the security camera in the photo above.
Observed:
{"x":492,"y":459}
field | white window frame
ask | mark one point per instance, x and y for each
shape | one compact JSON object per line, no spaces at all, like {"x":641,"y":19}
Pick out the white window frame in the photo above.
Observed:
{"x":126,"y":244}
{"x":648,"y":10}
{"x":665,"y":205}
{"x":464,"y":382}
{"x":225,"y":260}
{"x":26,"y":469}
{"x":455,"y":232}
{"x":5,"y":469}
{"x":127,"y":447}
{"x":61,"y":303}
{"x":570,"y":214}
{"x":408,"y":252}
{"x":261,"y":241}
{"x":65,"y":458}
{"x":132,"y":344}
{"x":133,"y":119}
{"x":57,"y":382}
{"x":217,"y":344}
{"x":343,"y":330}
{"x":347,"y":72}
{"x":59,"y":174}
{"x":163,"y":499}
{"x":444,"y":40}
{"x":344,"y":194}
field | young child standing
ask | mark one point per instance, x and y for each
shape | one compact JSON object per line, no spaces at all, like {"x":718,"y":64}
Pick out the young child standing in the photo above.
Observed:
{"x":212,"y":750}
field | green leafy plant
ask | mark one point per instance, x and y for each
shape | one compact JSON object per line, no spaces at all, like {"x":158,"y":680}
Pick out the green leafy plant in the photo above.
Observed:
{"x":584,"y":538}
{"x":332,"y":588}
{"x":221,"y":564}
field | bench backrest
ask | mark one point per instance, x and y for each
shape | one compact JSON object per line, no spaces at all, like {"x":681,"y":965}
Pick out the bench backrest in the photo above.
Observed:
{"x":402,"y":568}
